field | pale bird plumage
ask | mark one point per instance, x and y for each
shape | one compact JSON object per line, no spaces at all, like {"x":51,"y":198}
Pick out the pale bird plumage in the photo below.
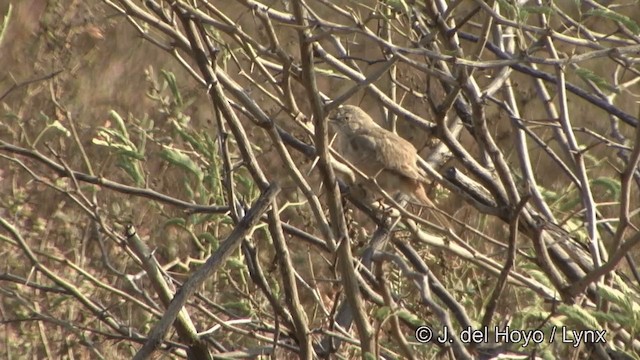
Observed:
{"x":379,"y":154}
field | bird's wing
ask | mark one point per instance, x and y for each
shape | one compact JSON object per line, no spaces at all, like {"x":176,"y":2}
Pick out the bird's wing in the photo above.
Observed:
{"x":392,"y":152}
{"x":363,"y":153}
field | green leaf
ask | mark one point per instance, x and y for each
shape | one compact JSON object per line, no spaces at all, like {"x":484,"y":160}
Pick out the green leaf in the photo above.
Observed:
{"x":121,"y":126}
{"x":131,"y":169}
{"x":611,"y":185}
{"x":236,"y":264}
{"x":507,"y":7}
{"x":119,"y":143}
{"x":191,"y":139}
{"x":368,"y":356}
{"x":399,"y":6}
{"x":131,"y":154}
{"x":242,"y":306}
{"x":170,"y":78}
{"x":580,"y":316}
{"x":180,"y":159}
{"x":612,"y":15}
{"x":189,"y":190}
{"x":175,"y":222}
{"x":621,"y":298}
{"x":330,"y":73}
{"x":601,"y":83}
{"x":5,"y":23}
{"x":410,"y":318}
{"x":546,"y":10}
{"x":382,"y":313}
{"x":570,"y":202}
{"x":209,"y":238}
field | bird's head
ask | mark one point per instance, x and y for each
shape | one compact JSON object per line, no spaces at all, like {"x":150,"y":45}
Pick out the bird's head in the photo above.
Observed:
{"x":350,"y":118}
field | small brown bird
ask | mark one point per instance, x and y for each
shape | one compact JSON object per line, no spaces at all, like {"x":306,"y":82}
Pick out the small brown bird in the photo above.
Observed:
{"x":379,"y":154}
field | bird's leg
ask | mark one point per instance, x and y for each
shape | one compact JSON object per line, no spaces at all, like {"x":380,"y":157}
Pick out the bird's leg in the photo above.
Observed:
{"x":378,"y":199}
{"x":388,"y":210}
{"x":343,"y":196}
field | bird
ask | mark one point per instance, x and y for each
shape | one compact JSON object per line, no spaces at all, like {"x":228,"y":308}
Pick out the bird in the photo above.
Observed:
{"x":380,"y":154}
